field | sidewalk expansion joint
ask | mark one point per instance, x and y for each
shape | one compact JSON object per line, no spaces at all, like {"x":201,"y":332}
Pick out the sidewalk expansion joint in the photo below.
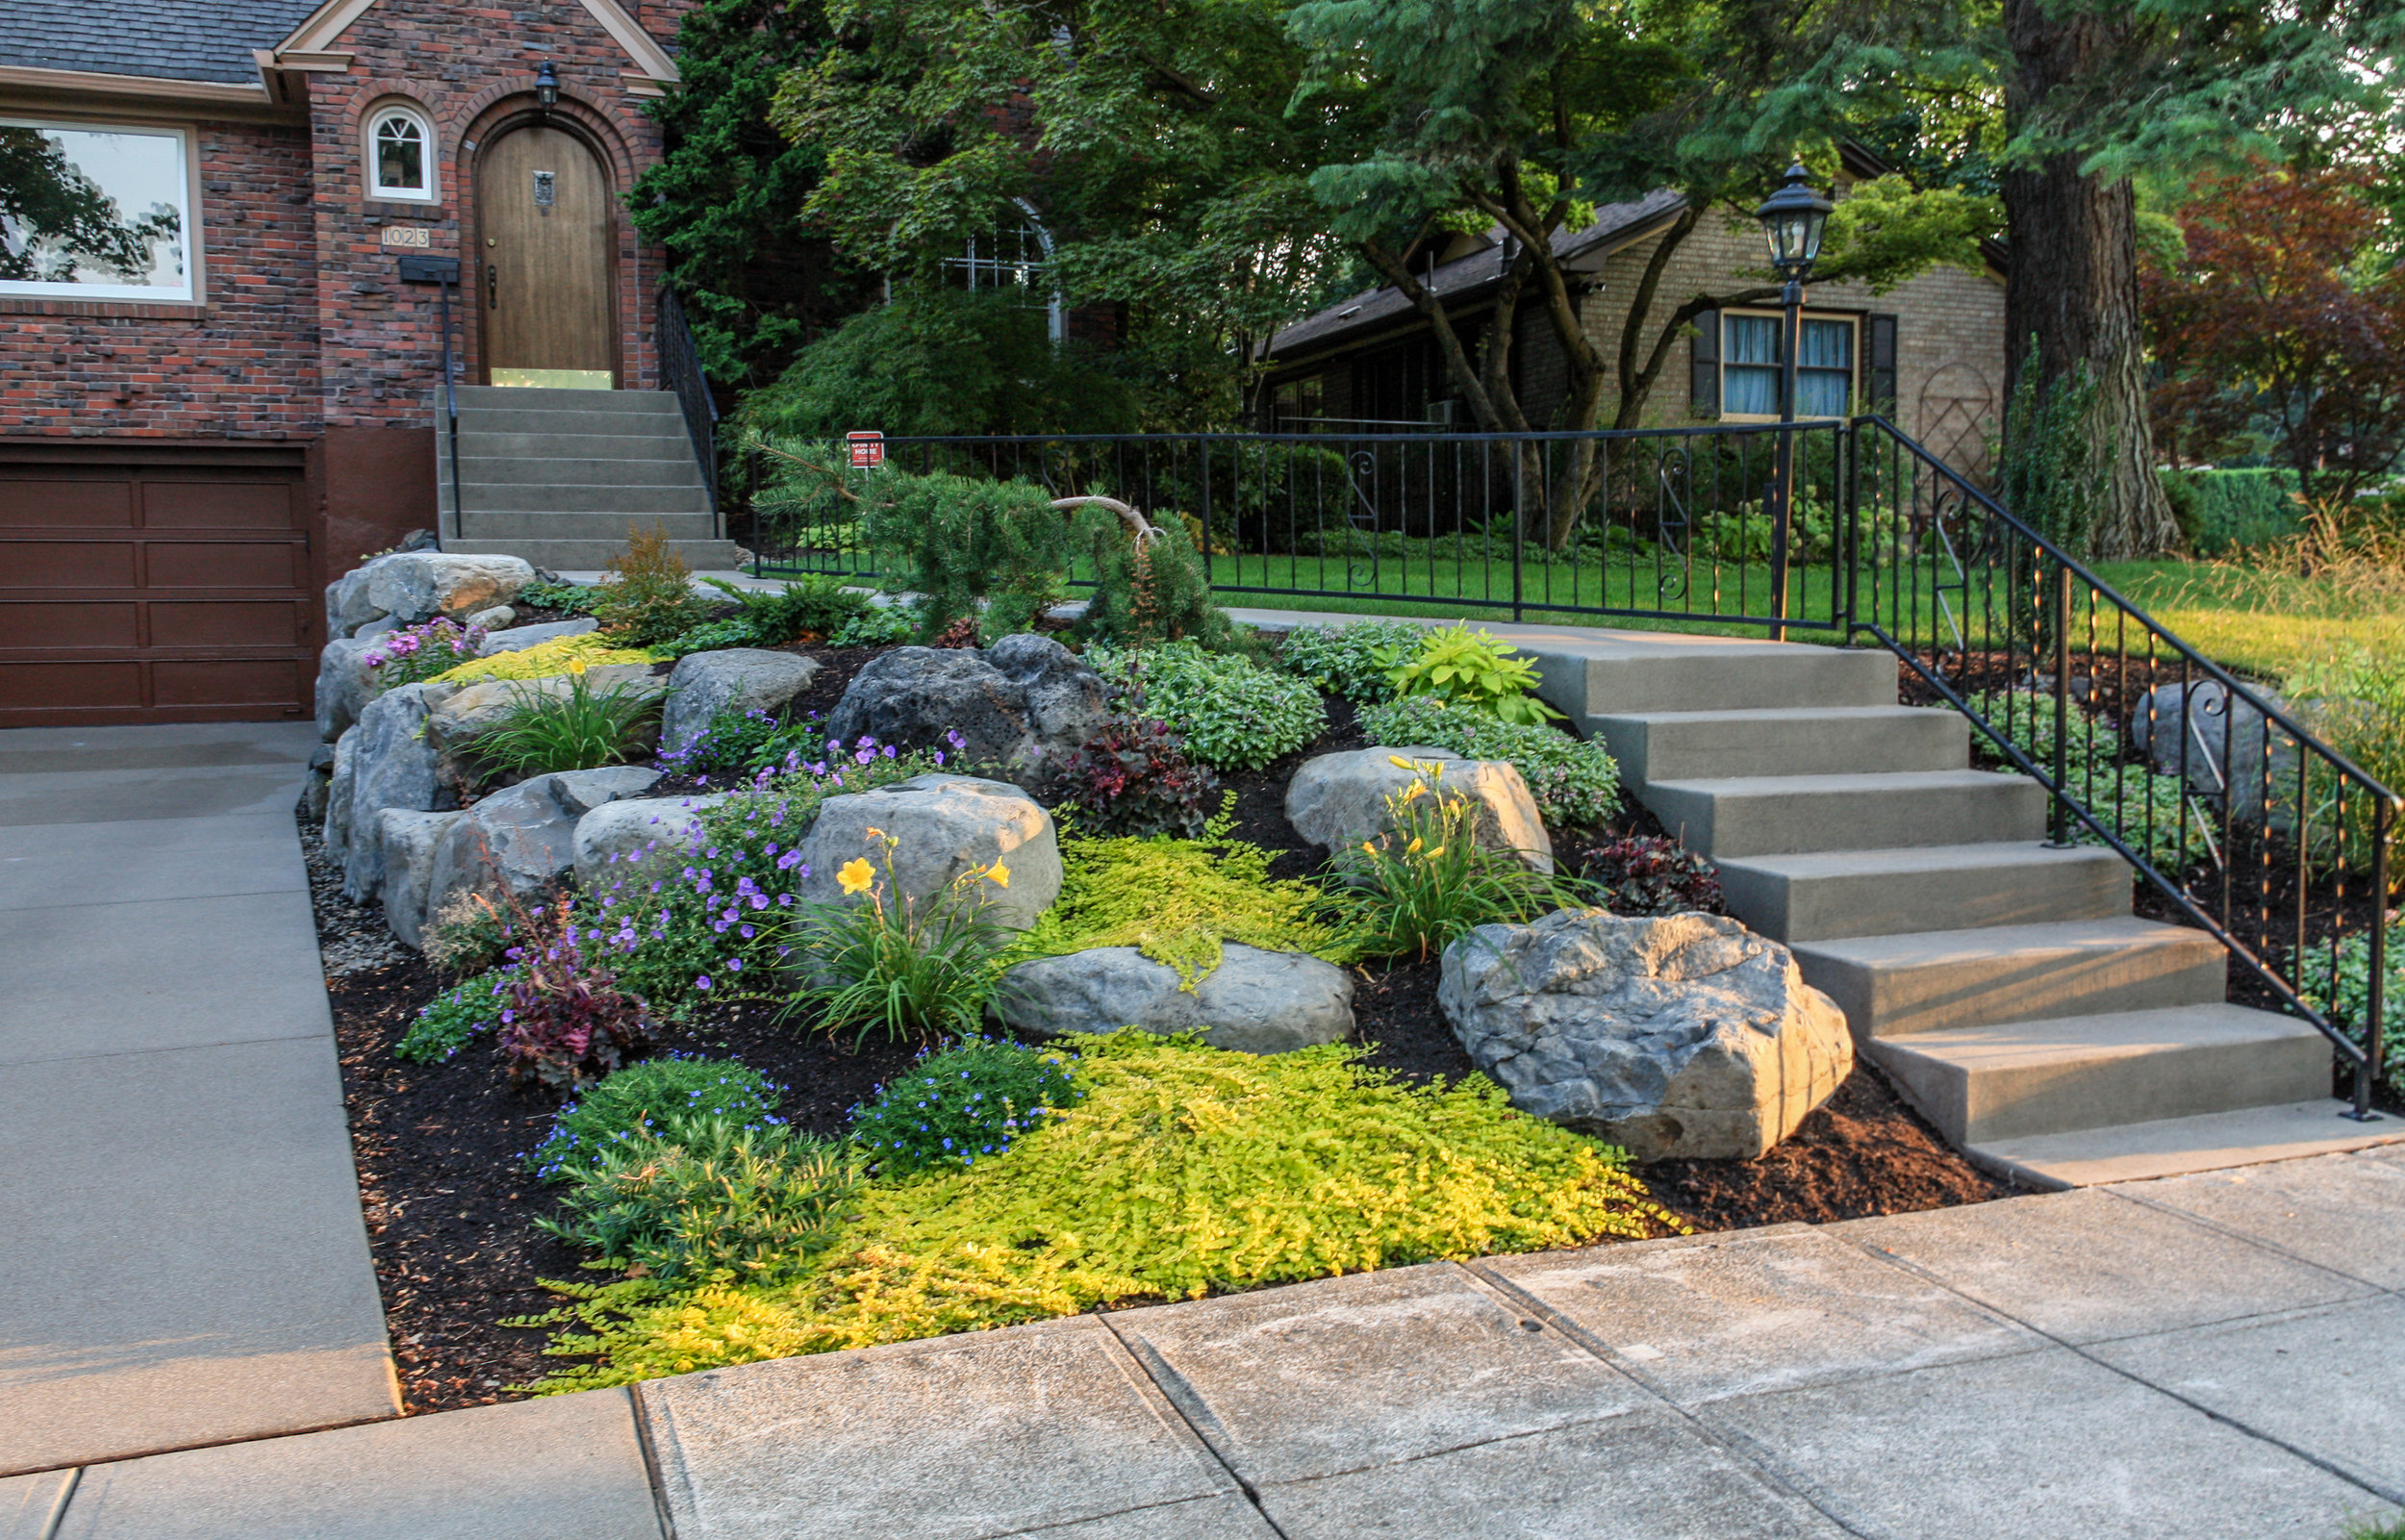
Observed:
{"x":1191,"y":1408}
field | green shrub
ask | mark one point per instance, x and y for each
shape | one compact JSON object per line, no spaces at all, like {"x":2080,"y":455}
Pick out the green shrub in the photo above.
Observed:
{"x":882,"y":625}
{"x":961,"y":1105}
{"x":1149,"y":592}
{"x":2337,"y":981}
{"x":583,"y":729}
{"x":728,"y":1205}
{"x":1427,"y":882}
{"x":815,"y":606}
{"x":1185,"y":1170}
{"x":653,"y":600}
{"x":1177,"y":902}
{"x":1232,"y":715}
{"x":1472,"y":668}
{"x":2355,"y":702}
{"x":1352,"y":661}
{"x":668,"y":1099}
{"x":2229,"y":509}
{"x":711,"y":636}
{"x":917,"y":967}
{"x":454,"y":1019}
{"x":964,"y":541}
{"x":568,"y":598}
{"x":1573,"y":781}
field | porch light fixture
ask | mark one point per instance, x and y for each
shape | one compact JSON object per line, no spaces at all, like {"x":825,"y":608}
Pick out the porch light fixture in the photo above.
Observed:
{"x":1794,"y":220}
{"x":547,"y":92}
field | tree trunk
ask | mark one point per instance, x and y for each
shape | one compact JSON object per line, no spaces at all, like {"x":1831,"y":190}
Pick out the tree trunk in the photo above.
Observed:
{"x":2074,"y":280}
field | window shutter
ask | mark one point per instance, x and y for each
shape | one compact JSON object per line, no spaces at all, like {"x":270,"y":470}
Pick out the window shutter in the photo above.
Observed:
{"x":1704,"y":387}
{"x":1881,"y":386}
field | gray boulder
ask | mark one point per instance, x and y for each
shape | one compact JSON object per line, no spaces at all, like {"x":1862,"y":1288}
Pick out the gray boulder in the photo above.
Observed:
{"x":1253,"y":1002}
{"x":2195,"y":726}
{"x":409,"y":840}
{"x":523,"y":838}
{"x":1339,"y":800}
{"x":494,"y":618}
{"x":341,"y":685}
{"x":341,"y":773}
{"x":478,"y":708}
{"x":347,"y":607}
{"x":415,"y":586}
{"x":381,"y":625}
{"x":704,"y":684}
{"x":1025,"y":703}
{"x":518,"y":638}
{"x":316,"y":783}
{"x":1680,"y":1035}
{"x":622,"y":838}
{"x":393,"y":764}
{"x":947,"y":825}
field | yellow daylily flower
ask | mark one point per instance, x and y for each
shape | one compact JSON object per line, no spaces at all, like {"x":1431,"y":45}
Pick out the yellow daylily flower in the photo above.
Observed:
{"x":855,"y":875}
{"x":1433,"y":854}
{"x":1413,"y":849}
{"x":1001,"y":875}
{"x":577,"y":666}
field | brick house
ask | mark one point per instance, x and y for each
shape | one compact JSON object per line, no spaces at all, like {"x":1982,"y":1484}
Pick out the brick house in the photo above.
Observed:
{"x":216,"y":390}
{"x":1929,"y":353}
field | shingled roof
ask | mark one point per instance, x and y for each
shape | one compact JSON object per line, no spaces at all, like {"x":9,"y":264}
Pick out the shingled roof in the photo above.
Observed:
{"x":162,"y":40}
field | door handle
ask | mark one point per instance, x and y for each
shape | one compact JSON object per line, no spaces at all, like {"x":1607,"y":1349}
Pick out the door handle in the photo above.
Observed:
{"x":492,"y":287}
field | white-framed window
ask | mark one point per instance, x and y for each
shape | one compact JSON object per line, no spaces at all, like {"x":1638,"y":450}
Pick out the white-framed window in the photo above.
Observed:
{"x":91,"y":210}
{"x":400,"y":155}
{"x":1016,"y":254}
{"x":1749,"y":360}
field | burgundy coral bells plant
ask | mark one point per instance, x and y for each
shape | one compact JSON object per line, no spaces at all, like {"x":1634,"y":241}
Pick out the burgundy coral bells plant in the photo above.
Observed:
{"x":1133,"y":778}
{"x":567,"y":1025}
{"x":1650,"y":874}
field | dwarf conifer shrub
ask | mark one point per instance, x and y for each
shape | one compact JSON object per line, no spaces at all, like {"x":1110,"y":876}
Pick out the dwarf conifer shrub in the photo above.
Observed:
{"x":724,"y":1205}
{"x":966,"y":540}
{"x":672,"y":1099}
{"x":962,"y":1105}
{"x":652,"y":600}
{"x":1152,"y":589}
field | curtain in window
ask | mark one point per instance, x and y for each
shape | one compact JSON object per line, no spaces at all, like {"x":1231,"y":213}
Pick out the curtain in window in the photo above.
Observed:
{"x":1825,"y":370}
{"x":1750,"y":366}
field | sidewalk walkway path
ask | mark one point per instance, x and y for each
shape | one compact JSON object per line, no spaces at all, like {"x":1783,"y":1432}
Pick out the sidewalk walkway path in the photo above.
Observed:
{"x":2217,"y":1356}
{"x":181,"y":1259}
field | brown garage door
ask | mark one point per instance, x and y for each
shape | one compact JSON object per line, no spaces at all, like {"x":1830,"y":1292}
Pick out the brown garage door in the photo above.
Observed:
{"x":144,"y":586}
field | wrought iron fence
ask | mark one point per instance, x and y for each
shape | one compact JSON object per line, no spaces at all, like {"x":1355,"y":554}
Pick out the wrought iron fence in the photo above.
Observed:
{"x":2240,"y":818}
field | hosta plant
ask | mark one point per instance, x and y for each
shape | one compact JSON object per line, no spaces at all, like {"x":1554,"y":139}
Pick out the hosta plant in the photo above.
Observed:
{"x":1465,"y":667}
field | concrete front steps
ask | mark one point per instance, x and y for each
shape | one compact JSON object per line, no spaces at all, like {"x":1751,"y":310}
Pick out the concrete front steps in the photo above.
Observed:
{"x":560,"y":478}
{"x":2003,"y":985}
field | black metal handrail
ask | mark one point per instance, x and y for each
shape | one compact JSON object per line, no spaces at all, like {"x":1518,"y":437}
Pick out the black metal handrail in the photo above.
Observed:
{"x":444,"y":274}
{"x":2295,"y":855}
{"x":681,"y":371}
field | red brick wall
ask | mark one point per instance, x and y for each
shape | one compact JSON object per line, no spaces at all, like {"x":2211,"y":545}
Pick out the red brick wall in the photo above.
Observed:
{"x":242,"y":365}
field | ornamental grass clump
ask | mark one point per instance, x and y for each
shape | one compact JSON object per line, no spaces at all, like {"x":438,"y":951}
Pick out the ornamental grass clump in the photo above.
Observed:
{"x":1177,"y":902}
{"x":670,"y":1098}
{"x":962,"y":1105}
{"x":417,"y":653}
{"x":1573,"y":781}
{"x":916,"y":966}
{"x":584,"y":729}
{"x":1184,"y":1170}
{"x":1427,"y":882}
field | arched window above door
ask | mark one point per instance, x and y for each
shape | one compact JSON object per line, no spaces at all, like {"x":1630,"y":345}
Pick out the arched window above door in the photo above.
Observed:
{"x":1016,"y":254}
{"x":401,"y":154}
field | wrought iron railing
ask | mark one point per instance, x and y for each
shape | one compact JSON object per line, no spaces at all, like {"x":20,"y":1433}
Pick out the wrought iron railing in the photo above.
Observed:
{"x":2241,"y":819}
{"x":681,"y":371}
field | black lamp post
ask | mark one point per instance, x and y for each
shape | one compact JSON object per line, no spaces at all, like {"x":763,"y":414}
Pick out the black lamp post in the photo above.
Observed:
{"x":547,"y":91}
{"x":1794,"y":220}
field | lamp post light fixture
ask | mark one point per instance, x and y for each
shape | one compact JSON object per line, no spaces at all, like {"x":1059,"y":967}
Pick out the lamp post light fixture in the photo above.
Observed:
{"x":548,"y":89}
{"x":1793,"y":220}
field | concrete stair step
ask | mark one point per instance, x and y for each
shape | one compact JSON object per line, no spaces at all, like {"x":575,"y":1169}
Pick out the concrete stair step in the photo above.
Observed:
{"x":1782,"y":815}
{"x":2173,"y":1147}
{"x":665,"y":470}
{"x":545,"y":420}
{"x":1931,"y":981}
{"x":517,"y":523}
{"x":592,"y":555}
{"x":1986,"y":1083}
{"x":1827,"y":894}
{"x":529,"y":398}
{"x":638,"y":500}
{"x":1632,"y":672}
{"x":475,"y":444}
{"x":1678,"y":745}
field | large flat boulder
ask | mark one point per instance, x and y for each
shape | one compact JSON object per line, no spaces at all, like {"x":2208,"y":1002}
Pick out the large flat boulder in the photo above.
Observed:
{"x":1339,"y":800}
{"x":1254,"y":1001}
{"x":638,"y":837}
{"x":739,"y":679}
{"x":522,"y":838}
{"x":1682,"y":1036}
{"x":1024,"y":704}
{"x":347,"y":605}
{"x":417,"y":586}
{"x":393,"y":764}
{"x":947,"y":826}
{"x":409,"y":840}
{"x":518,"y":638}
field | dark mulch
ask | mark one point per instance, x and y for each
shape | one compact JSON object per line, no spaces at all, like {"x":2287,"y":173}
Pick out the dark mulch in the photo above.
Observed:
{"x":1260,"y":810}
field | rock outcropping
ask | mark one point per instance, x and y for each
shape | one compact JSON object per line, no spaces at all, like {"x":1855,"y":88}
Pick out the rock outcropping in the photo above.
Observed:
{"x":945,"y":825}
{"x":1023,"y":704}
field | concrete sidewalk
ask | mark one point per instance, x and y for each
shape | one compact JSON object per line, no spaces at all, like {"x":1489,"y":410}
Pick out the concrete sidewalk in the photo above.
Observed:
{"x":2209,"y":1357}
{"x":181,"y":1259}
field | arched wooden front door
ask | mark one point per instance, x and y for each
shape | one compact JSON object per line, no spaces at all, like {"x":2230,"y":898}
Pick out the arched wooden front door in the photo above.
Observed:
{"x":549,"y":287}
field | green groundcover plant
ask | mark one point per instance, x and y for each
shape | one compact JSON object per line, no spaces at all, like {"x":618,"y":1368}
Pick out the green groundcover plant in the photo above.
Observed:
{"x":666,"y":1099}
{"x":963,"y":1104}
{"x":726,"y":1203}
{"x":455,"y":1018}
{"x":1182,"y":1171}
{"x":1573,"y":781}
{"x":1232,"y":715}
{"x":1357,"y":662}
{"x":2336,"y":979}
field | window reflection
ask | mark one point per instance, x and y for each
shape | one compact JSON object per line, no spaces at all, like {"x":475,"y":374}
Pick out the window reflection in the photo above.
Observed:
{"x":94,"y":212}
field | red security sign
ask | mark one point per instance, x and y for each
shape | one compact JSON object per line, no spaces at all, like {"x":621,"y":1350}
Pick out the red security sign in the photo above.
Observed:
{"x":868,"y":448}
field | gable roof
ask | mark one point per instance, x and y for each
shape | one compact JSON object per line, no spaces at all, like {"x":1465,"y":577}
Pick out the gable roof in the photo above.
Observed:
{"x":1468,"y":278}
{"x":158,"y":39}
{"x":310,"y":39}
